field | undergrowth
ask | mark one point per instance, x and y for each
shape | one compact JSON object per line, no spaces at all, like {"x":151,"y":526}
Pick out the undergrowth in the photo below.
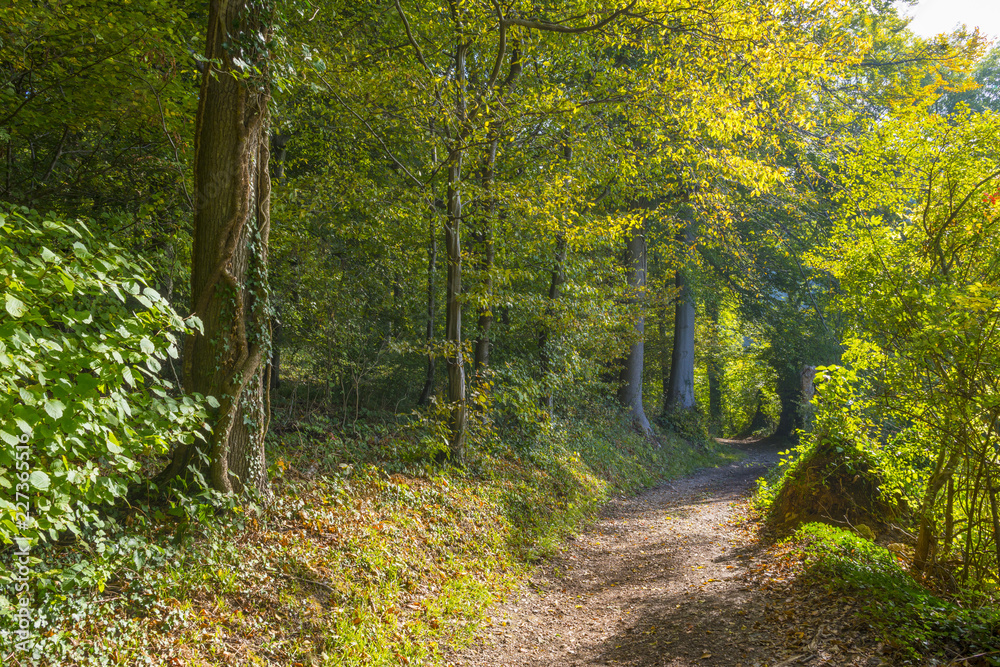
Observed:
{"x":366,"y":552}
{"x":918,"y":624}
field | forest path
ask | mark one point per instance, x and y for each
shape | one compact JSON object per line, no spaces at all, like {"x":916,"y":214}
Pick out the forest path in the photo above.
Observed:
{"x":657,"y":580}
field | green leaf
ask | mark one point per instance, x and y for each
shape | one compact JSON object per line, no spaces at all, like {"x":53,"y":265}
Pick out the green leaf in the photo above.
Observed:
{"x":49,"y":256}
{"x":213,"y":401}
{"x":54,"y":409}
{"x":67,"y":281}
{"x":15,"y":306}
{"x":147,"y":346}
{"x":8,"y":438}
{"x":127,"y":374}
{"x":39,"y":480}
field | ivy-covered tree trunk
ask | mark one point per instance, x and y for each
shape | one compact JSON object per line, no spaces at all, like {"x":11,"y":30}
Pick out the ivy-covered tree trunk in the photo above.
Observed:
{"x":229,"y":286}
{"x":630,"y":389}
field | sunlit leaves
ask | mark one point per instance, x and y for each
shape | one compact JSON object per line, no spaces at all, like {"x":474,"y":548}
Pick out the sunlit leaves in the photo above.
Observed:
{"x":73,"y":412}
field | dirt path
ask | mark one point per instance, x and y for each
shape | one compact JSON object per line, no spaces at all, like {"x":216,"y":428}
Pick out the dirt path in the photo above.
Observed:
{"x":658,"y":580}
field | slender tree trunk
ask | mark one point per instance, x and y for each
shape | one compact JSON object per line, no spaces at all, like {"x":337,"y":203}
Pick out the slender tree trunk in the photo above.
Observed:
{"x":995,"y":514}
{"x":229,"y":260}
{"x":275,"y":364}
{"x":949,"y":517}
{"x":714,"y":366}
{"x":453,"y":324}
{"x":557,"y":279}
{"x":428,"y":390}
{"x":630,"y":389}
{"x":279,"y":151}
{"x":943,"y":470}
{"x":458,"y":418}
{"x":487,"y":255}
{"x":665,"y":348}
{"x":544,"y":353}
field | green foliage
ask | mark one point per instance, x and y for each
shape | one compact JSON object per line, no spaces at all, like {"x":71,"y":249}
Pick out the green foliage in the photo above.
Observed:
{"x":838,"y":472}
{"x":915,"y":621}
{"x":83,"y":348}
{"x":914,"y":252}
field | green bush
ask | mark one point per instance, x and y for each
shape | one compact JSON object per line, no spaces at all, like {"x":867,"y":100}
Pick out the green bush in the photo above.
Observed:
{"x":83,"y":341}
{"x":910,"y":617}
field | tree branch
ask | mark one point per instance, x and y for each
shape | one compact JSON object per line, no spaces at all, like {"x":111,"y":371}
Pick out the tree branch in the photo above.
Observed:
{"x":385,"y":149}
{"x":413,"y":42}
{"x":548,"y":26}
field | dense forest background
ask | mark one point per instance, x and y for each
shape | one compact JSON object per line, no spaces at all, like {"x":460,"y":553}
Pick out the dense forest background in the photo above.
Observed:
{"x":431,"y":236}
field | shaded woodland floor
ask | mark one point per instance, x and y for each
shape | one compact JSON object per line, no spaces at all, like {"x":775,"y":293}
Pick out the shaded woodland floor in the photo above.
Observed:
{"x":675,"y":577}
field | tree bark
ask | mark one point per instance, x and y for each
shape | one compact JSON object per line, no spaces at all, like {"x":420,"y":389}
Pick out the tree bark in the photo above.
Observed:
{"x":666,"y":347}
{"x":630,"y":388}
{"x":458,"y":417}
{"x":944,"y":468}
{"x":557,"y":279}
{"x":789,"y":391}
{"x":229,"y":287}
{"x":487,"y":255}
{"x":544,"y":353}
{"x":453,"y":325}
{"x":275,"y":363}
{"x":428,"y":390}
{"x":715,"y":371}
{"x":680,"y":387}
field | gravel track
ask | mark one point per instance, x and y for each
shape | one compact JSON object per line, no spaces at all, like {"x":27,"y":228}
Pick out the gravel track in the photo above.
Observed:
{"x":658,"y":579}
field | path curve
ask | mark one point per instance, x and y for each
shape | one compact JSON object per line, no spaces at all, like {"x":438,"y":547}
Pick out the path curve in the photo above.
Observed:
{"x":657,"y":580}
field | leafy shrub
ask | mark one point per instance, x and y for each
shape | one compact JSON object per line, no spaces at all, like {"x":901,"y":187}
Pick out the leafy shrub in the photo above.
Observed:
{"x":82,"y":344}
{"x":910,"y":617}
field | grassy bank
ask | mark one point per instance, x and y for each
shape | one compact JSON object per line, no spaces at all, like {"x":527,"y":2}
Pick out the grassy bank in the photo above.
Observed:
{"x":923,"y":627}
{"x":365,"y":554}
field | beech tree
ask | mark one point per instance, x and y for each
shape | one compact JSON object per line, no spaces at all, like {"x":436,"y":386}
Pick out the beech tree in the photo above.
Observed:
{"x":630,"y":389}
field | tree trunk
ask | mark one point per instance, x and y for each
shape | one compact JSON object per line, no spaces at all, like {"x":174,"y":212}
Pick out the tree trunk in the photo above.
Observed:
{"x":788,"y":419}
{"x":453,"y":325}
{"x":275,"y":364}
{"x":428,"y":390}
{"x":544,"y":353}
{"x":666,"y":346}
{"x":487,"y":254}
{"x":458,"y":417}
{"x":715,"y":370}
{"x":558,"y":278}
{"x":944,"y":468}
{"x":680,"y":388}
{"x":229,"y":259}
{"x":630,"y":389}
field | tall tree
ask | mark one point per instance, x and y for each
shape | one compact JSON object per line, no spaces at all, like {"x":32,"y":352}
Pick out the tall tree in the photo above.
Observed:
{"x":630,"y":389}
{"x":680,"y":387}
{"x":229,"y":286}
